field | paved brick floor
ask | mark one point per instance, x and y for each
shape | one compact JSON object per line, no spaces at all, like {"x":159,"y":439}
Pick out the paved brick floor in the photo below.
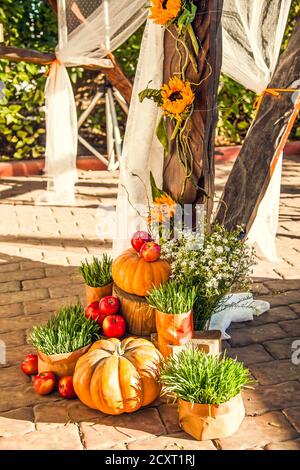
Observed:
{"x":40,"y":248}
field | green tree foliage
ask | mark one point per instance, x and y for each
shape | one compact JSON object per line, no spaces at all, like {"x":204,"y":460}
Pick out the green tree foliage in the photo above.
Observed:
{"x":32,"y":24}
{"x":29,"y":24}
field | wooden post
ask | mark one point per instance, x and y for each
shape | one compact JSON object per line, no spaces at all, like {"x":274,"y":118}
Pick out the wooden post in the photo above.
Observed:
{"x":253,"y":169}
{"x":207,"y":26}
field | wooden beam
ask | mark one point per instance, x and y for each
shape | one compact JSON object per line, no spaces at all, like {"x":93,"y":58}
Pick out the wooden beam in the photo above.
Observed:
{"x":115,"y":74}
{"x":207,"y":27}
{"x":253,"y":169}
{"x":18,"y":54}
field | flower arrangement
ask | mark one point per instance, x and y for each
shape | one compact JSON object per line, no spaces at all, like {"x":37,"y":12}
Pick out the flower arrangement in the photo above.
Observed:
{"x":97,"y":273}
{"x":197,"y":377}
{"x":68,"y":331}
{"x":215,"y":264}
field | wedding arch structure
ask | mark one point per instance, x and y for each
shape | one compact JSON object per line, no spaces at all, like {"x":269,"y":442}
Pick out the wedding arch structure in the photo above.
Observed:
{"x":242,"y":37}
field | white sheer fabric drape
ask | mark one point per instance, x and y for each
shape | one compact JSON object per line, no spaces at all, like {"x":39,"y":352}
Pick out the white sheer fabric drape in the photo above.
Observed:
{"x":142,"y":152}
{"x":252,"y":35}
{"x":88,"y":31}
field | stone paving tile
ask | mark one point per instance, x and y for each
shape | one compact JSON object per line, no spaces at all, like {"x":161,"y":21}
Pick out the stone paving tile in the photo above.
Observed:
{"x":21,"y":396}
{"x":284,"y":298}
{"x":11,"y":426}
{"x":137,"y":425}
{"x":99,"y":436}
{"x":51,"y":415}
{"x":287,"y":445}
{"x":177,"y":441}
{"x":52,"y":282}
{"x":275,"y":315}
{"x":15,"y":355}
{"x":293,"y":415}
{"x":10,"y":376}
{"x":275,"y":372}
{"x":252,"y":354}
{"x":22,"y":275}
{"x":291,"y":327}
{"x":169,"y":416}
{"x":22,"y":323}
{"x":13,"y":338}
{"x":295,"y":308}
{"x":43,"y":306}
{"x":78,"y":412}
{"x":9,"y":267}
{"x":280,"y":348}
{"x":271,"y":398}
{"x":11,"y":310}
{"x":59,"y":292}
{"x":11,"y":286}
{"x":259,"y":431}
{"x":255,"y":334}
{"x":24,"y":296}
{"x":64,"y":438}
{"x":285,"y":284}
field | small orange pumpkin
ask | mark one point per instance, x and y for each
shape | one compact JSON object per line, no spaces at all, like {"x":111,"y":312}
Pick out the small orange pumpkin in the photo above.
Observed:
{"x":118,"y":377}
{"x":136,"y":276}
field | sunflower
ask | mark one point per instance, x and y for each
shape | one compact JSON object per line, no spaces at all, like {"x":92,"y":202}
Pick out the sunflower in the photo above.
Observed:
{"x":167,"y":203}
{"x":163,"y":210}
{"x":177,"y":96}
{"x":164,"y":11}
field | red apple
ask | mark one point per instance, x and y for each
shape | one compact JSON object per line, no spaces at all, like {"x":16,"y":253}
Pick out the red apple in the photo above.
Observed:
{"x":44,"y":383}
{"x":92,"y":311}
{"x":109,"y":305}
{"x":30,"y":364}
{"x":65,"y":387}
{"x":150,"y":251}
{"x":114,"y":326}
{"x":139,"y":238}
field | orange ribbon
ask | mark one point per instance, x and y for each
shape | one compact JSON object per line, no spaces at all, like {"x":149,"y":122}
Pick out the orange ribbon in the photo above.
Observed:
{"x":54,"y":63}
{"x":273,"y":92}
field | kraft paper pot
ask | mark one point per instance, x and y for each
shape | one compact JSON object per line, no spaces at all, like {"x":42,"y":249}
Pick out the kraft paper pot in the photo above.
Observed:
{"x":60,"y":364}
{"x":94,"y":294}
{"x":173,"y":330}
{"x":205,"y":422}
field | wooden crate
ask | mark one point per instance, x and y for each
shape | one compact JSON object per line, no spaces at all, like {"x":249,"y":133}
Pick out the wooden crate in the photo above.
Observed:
{"x":208,"y":341}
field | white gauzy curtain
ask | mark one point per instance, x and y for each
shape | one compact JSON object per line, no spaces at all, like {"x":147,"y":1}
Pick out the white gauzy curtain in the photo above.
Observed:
{"x":252,"y":35}
{"x":142,"y":152}
{"x":88,"y":31}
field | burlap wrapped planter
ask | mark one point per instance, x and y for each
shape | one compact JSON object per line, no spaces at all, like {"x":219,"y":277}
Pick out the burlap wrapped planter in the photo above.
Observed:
{"x":60,"y":364}
{"x":205,"y":422}
{"x":173,"y":330}
{"x":95,"y":294}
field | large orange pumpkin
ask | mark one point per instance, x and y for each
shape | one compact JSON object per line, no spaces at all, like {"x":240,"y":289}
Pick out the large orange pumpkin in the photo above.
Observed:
{"x":118,"y":377}
{"x":136,"y":276}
